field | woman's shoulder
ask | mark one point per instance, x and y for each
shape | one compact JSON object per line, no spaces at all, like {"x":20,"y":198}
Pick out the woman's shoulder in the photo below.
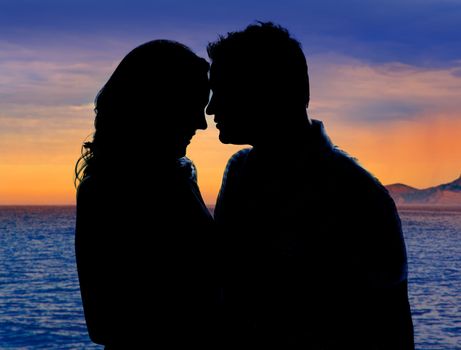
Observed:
{"x":186,"y":167}
{"x":86,"y":185}
{"x":88,"y":194}
{"x":92,"y":191}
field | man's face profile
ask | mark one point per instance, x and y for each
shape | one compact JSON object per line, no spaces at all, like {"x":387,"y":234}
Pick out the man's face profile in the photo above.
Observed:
{"x":232,"y":104}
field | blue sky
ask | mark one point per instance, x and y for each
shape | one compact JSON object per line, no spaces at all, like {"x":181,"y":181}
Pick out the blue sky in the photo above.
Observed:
{"x":97,"y":34}
{"x":418,"y":32}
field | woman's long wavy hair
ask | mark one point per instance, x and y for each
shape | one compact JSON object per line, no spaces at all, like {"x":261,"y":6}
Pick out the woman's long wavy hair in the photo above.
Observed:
{"x":133,"y":102}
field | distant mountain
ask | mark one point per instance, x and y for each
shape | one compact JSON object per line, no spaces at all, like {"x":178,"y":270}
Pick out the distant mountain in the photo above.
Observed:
{"x":444,"y":195}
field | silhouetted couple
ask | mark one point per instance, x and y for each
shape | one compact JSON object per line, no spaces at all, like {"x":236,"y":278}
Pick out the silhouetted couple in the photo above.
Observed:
{"x":306,"y":248}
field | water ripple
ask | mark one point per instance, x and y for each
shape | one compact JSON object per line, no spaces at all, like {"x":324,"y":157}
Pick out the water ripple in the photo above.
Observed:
{"x":40,"y":306}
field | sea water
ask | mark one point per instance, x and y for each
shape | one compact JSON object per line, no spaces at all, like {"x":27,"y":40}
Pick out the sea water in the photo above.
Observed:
{"x":40,"y":305}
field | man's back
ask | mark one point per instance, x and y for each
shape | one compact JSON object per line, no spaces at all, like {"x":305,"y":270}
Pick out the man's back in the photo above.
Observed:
{"x":315,"y":253}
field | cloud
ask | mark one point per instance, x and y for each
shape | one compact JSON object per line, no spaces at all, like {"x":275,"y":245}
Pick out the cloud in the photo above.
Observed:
{"x":350,"y":91}
{"x":36,"y":134}
{"x":30,"y":76}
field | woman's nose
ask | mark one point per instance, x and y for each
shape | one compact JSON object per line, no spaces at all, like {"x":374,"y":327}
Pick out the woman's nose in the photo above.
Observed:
{"x":210,"y":109}
{"x":201,"y":122}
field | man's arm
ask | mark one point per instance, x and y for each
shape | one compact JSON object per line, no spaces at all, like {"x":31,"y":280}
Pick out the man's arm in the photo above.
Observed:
{"x":387,"y":272}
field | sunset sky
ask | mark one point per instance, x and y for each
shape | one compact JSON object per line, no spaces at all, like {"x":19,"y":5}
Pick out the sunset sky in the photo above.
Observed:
{"x":385,"y":80}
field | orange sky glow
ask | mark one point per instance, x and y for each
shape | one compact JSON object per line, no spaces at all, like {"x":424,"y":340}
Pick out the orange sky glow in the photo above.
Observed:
{"x":402,"y":123}
{"x":420,"y":154}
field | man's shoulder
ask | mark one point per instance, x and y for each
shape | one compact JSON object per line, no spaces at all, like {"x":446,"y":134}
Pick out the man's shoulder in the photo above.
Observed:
{"x":349,"y":172}
{"x":238,"y":159}
{"x":338,"y":166}
{"x":240,"y":156}
{"x":235,"y":165}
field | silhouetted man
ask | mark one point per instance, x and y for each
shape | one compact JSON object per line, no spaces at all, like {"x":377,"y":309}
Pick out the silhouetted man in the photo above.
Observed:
{"x":314,"y":252}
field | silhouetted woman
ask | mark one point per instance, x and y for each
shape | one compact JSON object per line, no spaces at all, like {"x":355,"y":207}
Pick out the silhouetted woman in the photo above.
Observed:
{"x":143,"y":234}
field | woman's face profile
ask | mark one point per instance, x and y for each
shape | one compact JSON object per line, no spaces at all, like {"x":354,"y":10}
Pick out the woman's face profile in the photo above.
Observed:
{"x":187,"y":113}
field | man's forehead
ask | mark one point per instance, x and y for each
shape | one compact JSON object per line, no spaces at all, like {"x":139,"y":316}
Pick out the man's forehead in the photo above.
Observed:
{"x":218,"y":67}
{"x":225,"y":70}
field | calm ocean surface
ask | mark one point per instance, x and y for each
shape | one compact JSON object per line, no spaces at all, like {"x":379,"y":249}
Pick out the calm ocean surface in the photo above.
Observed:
{"x":40,"y":305}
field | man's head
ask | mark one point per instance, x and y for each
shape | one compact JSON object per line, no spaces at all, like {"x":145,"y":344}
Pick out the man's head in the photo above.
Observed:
{"x":259,"y":81}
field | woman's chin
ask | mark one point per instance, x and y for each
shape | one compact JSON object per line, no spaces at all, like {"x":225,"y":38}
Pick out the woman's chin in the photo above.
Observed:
{"x":180,"y":153}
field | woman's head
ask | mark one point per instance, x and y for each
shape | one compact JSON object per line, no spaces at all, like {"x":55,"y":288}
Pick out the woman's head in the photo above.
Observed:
{"x":150,"y":107}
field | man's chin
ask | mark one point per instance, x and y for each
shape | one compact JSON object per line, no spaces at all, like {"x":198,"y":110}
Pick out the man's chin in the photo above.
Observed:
{"x":224,"y":139}
{"x":233,"y":140}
